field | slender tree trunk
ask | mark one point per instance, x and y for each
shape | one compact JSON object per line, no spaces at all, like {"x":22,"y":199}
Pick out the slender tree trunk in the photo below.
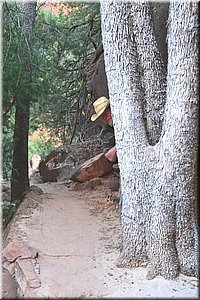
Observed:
{"x":158,"y":182}
{"x":20,"y":179}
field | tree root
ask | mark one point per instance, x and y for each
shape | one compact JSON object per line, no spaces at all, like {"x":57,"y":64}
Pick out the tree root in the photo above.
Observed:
{"x":123,"y":262}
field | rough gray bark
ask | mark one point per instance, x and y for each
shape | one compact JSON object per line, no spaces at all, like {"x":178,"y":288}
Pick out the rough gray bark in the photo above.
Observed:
{"x":152,"y":71}
{"x":20,"y":178}
{"x":179,"y":142}
{"x":158,"y":182}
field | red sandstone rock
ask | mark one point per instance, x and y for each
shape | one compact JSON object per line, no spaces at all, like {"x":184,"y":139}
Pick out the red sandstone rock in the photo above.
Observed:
{"x":94,"y":167}
{"x":14,"y":250}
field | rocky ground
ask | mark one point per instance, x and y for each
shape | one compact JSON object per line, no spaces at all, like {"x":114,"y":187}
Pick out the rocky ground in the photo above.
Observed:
{"x":65,"y":241}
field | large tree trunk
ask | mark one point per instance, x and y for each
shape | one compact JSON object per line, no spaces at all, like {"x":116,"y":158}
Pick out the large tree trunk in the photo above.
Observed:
{"x":158,"y":183}
{"x":20,"y":179}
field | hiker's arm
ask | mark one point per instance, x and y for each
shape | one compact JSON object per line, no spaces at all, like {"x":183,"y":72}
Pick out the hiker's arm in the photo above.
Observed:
{"x":111,"y":155}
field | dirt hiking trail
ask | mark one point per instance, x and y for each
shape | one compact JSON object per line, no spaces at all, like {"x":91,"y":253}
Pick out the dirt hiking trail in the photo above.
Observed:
{"x":65,"y":242}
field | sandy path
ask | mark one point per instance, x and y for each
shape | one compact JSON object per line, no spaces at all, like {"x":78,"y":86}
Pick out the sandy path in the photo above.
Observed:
{"x":76,"y":234}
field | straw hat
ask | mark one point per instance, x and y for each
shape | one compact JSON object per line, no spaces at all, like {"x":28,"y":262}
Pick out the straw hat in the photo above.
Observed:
{"x":100,"y":106}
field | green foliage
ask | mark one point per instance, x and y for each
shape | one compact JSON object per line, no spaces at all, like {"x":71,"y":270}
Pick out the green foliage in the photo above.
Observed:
{"x":113,"y":198}
{"x":17,"y":56}
{"x":8,"y":210}
{"x":7,"y":152}
{"x":41,"y":147}
{"x":65,"y":45}
{"x":61,"y":49}
{"x":7,"y":147}
{"x":16,"y":75}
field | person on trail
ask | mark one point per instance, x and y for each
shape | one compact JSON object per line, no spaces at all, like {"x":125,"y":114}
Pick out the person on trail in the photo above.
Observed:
{"x":103,"y":116}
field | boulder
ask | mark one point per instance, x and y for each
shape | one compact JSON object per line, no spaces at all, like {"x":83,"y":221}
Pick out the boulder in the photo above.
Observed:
{"x":58,"y":165}
{"x":48,"y":167}
{"x":94,"y":167}
{"x":14,"y":250}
